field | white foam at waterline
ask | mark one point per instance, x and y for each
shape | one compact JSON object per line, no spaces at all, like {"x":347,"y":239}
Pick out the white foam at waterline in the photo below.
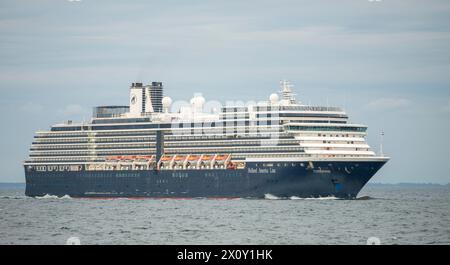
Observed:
{"x":323,"y":198}
{"x":269,"y":196}
{"x":313,"y":198}
{"x":48,"y":196}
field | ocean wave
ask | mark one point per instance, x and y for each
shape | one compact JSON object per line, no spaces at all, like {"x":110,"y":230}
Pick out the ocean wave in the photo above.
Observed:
{"x":323,"y":198}
{"x":269,"y":196}
{"x":48,"y":196}
{"x":363,"y":198}
{"x":314,"y":198}
{"x":13,"y":197}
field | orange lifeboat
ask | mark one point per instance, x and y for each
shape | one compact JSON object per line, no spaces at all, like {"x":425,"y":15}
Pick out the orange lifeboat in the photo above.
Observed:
{"x":166,"y":158}
{"x":221,"y":157}
{"x":193,"y":157}
{"x":128,"y":158}
{"x":206,"y":157}
{"x":179,"y":158}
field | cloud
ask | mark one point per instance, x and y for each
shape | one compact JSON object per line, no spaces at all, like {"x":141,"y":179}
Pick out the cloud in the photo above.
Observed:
{"x":388,"y":104}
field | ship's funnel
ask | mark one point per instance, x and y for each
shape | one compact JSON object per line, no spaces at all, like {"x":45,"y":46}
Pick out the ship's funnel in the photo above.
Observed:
{"x":145,"y":99}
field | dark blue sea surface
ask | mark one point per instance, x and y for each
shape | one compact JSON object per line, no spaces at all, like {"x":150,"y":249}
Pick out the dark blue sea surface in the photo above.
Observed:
{"x":396,"y":214}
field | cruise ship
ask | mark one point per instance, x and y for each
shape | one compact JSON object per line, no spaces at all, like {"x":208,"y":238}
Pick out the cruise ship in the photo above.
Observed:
{"x":151,"y":148}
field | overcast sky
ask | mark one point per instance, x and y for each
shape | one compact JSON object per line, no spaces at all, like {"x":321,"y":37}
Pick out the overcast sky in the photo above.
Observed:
{"x":387,"y":63}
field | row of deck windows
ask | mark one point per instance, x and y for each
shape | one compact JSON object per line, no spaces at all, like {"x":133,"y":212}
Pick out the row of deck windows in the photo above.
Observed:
{"x":265,"y":127}
{"x":240,"y":156}
{"x":169,"y":150}
{"x":326,"y":128}
{"x":167,"y":144}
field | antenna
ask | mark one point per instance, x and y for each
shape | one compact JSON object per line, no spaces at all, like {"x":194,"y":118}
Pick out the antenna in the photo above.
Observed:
{"x":286,"y":91}
{"x":345,"y":98}
{"x":328,"y":109}
{"x":381,"y":143}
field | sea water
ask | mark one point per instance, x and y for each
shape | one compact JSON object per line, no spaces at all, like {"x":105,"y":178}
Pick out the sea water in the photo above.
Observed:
{"x":394,"y":214}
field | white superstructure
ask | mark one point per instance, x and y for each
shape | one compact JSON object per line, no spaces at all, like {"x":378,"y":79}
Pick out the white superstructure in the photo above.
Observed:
{"x":278,"y":129}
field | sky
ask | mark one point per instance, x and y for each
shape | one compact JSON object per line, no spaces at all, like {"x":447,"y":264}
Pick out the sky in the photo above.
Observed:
{"x":387,"y":63}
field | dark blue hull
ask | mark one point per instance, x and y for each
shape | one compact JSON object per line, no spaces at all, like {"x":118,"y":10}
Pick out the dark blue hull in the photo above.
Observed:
{"x":282,"y":179}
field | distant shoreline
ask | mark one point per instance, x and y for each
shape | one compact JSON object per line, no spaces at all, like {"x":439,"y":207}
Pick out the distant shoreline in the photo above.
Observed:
{"x":407,"y":184}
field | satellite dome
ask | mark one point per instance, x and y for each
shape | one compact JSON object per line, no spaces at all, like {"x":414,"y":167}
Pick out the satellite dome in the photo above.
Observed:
{"x":166,"y":102}
{"x":274,"y":98}
{"x":198,"y":101}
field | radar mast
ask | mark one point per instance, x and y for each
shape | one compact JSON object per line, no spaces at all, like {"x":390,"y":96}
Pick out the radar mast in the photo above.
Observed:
{"x":286,"y":92}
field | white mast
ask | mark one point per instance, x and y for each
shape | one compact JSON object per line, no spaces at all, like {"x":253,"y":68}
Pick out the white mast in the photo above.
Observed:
{"x":286,"y":92}
{"x":381,"y":143}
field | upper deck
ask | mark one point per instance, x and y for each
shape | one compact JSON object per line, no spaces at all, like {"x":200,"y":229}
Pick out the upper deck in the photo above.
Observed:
{"x":279,"y":127}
